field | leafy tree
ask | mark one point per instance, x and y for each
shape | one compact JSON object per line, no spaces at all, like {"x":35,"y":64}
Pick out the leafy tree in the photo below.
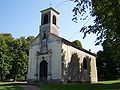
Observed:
{"x":5,"y":56}
{"x":107,"y":18}
{"x":107,"y":28}
{"x":78,"y":43}
{"x":14,"y":56}
{"x":20,"y":62}
{"x":108,"y":61}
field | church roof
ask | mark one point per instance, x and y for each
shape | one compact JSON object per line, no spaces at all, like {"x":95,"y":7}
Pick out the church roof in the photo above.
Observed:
{"x":75,"y":46}
{"x":50,"y":8}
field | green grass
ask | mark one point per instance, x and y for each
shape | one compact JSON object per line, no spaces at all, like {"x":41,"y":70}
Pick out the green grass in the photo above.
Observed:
{"x":10,"y":88}
{"x":11,"y":85}
{"x":105,"y":85}
{"x":109,"y":82}
{"x":102,"y":85}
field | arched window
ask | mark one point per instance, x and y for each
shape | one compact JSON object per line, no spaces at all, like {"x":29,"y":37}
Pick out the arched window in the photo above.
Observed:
{"x":54,"y":19}
{"x":85,"y":63}
{"x":45,"y":19}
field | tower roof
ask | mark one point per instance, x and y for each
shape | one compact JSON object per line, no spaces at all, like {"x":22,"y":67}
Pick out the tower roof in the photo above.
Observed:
{"x":50,"y":8}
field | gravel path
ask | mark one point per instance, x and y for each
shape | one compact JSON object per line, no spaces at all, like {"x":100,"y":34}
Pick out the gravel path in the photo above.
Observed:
{"x":29,"y":87}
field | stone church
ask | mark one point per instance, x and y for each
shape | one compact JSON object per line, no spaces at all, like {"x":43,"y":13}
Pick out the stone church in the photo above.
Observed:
{"x":55,"y":59}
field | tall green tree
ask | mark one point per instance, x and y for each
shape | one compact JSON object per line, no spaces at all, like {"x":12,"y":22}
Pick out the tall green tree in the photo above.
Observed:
{"x":14,"y":56}
{"x":20,"y":57}
{"x":5,"y":55}
{"x":108,"y":60}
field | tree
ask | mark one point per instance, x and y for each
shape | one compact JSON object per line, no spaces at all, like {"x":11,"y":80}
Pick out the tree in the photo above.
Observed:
{"x":14,"y":56}
{"x":77,"y":43}
{"x":107,"y":28}
{"x":18,"y":61}
{"x":107,"y":21}
{"x":108,"y":60}
{"x":5,"y":56}
{"x":20,"y":57}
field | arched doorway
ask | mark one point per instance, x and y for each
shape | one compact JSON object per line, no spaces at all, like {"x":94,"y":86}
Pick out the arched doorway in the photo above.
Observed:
{"x":43,"y":70}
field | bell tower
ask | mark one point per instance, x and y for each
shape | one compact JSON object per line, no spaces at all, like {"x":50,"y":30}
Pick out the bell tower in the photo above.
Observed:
{"x":49,"y":24}
{"x":49,"y":21}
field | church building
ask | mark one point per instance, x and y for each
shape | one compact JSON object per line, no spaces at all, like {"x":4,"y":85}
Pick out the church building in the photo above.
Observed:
{"x":55,"y":59}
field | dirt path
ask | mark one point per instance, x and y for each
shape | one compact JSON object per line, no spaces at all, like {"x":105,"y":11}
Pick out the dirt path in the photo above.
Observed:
{"x":29,"y":87}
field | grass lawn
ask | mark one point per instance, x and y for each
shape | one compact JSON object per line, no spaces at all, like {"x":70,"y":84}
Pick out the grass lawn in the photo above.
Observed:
{"x":109,"y":82}
{"x":104,"y":85}
{"x":10,"y":87}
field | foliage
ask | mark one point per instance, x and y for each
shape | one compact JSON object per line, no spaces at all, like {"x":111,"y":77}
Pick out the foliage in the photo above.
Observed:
{"x":13,"y":56}
{"x":107,"y":28}
{"x":107,"y":18}
{"x":5,"y":58}
{"x":108,"y":60}
{"x":78,"y":43}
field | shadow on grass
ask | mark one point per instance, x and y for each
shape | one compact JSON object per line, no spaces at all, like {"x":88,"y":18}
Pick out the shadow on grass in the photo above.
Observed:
{"x":79,"y":86}
{"x":106,"y":86}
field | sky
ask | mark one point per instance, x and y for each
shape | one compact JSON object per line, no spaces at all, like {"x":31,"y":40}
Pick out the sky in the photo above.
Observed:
{"x":23,"y":18}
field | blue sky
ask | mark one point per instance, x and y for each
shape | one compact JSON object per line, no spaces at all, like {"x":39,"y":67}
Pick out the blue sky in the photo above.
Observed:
{"x":22,"y":18}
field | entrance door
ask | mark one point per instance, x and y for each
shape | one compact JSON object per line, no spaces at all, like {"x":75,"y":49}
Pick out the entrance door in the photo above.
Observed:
{"x":43,"y":70}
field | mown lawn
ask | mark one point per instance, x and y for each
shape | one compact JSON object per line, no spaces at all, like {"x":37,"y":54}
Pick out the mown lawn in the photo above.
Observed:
{"x":9,"y":87}
{"x":105,"y":85}
{"x":109,"y":82}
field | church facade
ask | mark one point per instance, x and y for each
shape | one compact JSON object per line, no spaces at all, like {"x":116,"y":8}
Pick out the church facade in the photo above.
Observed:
{"x":55,"y":59}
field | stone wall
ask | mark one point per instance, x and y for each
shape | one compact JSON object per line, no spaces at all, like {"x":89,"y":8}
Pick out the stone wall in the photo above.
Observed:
{"x":72,"y":65}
